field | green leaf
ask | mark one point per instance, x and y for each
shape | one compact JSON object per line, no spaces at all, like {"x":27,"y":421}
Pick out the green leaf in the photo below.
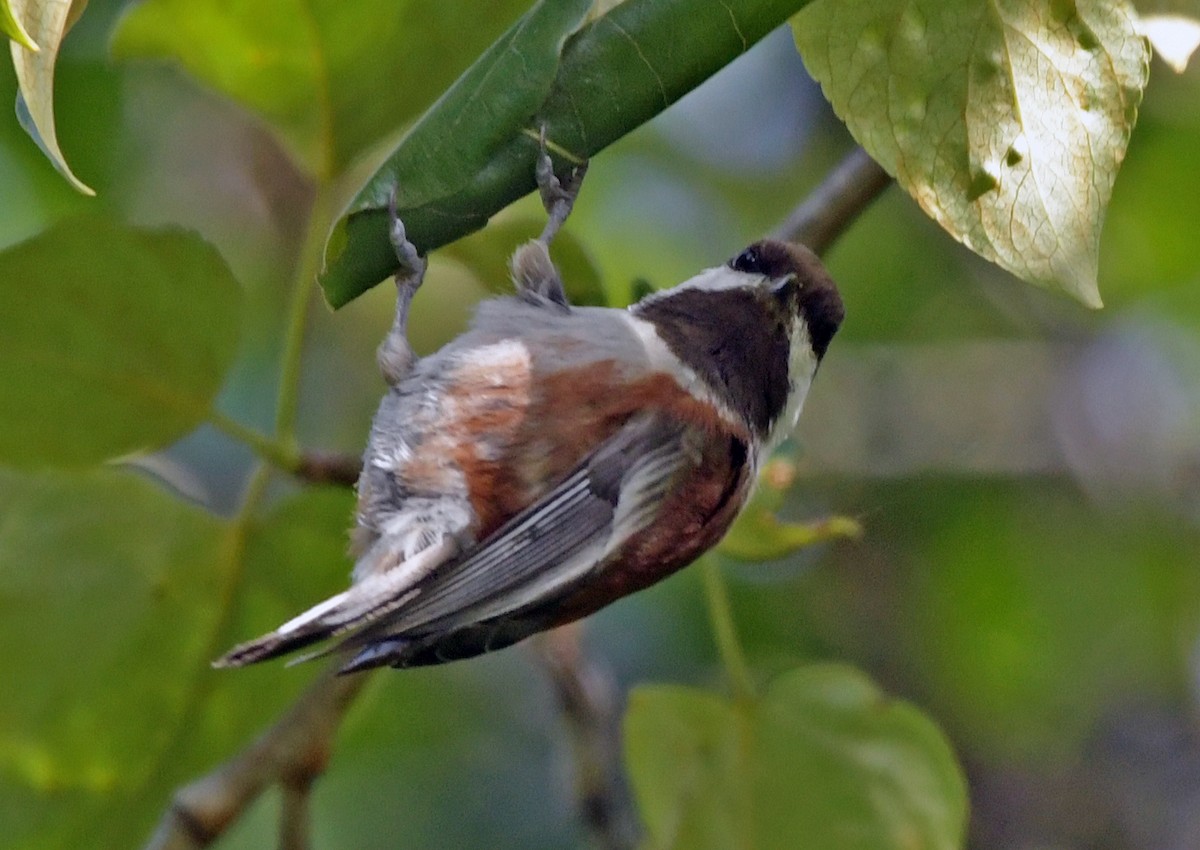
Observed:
{"x":1006,"y":121}
{"x":759,"y":535}
{"x":823,"y":760}
{"x":44,"y":23}
{"x":106,"y":602}
{"x":330,"y":77}
{"x":487,"y":255}
{"x":115,"y":340}
{"x":114,"y":599}
{"x":461,"y":164}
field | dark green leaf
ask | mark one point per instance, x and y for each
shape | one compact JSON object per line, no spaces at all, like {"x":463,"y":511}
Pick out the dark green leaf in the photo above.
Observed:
{"x":461,"y":164}
{"x":115,"y":340}
{"x":107,"y":605}
{"x":759,"y":534}
{"x":822,"y":761}
{"x":330,"y":77}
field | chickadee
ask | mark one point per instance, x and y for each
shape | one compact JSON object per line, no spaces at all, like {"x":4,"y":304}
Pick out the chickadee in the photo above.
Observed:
{"x":553,"y":459}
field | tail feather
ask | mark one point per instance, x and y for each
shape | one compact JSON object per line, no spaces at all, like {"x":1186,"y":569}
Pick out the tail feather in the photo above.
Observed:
{"x":268,"y":646}
{"x":355,"y":609}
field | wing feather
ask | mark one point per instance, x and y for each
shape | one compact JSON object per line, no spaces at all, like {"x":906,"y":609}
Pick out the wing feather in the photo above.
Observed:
{"x":540,"y":552}
{"x":551,"y":545}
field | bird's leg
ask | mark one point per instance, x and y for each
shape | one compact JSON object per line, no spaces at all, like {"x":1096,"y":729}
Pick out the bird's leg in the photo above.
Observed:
{"x":395,"y":355}
{"x":532,"y":267}
{"x":558,"y":195}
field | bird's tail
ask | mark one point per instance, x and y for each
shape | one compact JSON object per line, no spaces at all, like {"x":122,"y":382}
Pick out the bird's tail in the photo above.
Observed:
{"x":367,"y":602}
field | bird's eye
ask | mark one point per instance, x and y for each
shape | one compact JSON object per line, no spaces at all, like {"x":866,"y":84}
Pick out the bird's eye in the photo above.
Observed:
{"x":748,"y":261}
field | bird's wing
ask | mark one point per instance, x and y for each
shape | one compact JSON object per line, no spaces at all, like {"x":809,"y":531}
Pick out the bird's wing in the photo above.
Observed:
{"x":552,"y":543}
{"x":607,"y":498}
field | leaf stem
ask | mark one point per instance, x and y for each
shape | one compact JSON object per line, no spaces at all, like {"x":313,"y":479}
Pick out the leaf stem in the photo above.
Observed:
{"x":720,"y":615}
{"x":283,"y":456}
{"x":297,"y":319}
{"x":840,"y":199}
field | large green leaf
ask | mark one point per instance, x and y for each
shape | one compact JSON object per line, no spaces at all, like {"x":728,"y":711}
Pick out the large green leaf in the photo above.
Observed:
{"x":106,"y":602}
{"x":292,"y":558}
{"x":1005,"y":120}
{"x":460,"y":164}
{"x":114,"y":340}
{"x":114,"y":598}
{"x":330,"y":77}
{"x":822,"y":761}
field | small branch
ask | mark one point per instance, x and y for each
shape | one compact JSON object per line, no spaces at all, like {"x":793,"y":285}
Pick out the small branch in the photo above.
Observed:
{"x":836,"y":203}
{"x":295,"y":818}
{"x":327,"y":468}
{"x":588,"y":700}
{"x":313,"y":467}
{"x":292,"y":753}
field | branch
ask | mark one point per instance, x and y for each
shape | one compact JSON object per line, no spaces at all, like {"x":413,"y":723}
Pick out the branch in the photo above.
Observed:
{"x":328,"y":468}
{"x":836,"y":203}
{"x":292,"y":754}
{"x":587,"y":697}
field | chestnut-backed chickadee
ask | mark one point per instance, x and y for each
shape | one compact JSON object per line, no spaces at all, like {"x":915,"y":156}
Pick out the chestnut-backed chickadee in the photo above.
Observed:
{"x":553,"y":459}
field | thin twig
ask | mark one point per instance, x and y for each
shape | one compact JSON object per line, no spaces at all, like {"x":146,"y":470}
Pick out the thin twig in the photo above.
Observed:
{"x":588,"y":699}
{"x":292,"y":754}
{"x":328,"y":468}
{"x":836,"y":203}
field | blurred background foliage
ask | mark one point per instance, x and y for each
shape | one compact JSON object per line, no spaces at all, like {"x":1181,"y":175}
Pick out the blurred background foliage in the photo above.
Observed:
{"x":1027,"y":471}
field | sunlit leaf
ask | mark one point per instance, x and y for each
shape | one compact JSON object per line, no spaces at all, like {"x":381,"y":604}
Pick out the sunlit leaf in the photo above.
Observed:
{"x":115,"y":340}
{"x":460,"y":164}
{"x":331,"y":77}
{"x":822,"y":760}
{"x":46,"y":23}
{"x":1006,"y":121}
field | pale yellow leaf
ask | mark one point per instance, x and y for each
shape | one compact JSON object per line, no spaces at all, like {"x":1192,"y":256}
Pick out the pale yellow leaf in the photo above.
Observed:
{"x":47,"y":23}
{"x":1174,"y":38}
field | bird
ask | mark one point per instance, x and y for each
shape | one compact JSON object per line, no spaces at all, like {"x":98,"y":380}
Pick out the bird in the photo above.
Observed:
{"x":555,"y":458}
